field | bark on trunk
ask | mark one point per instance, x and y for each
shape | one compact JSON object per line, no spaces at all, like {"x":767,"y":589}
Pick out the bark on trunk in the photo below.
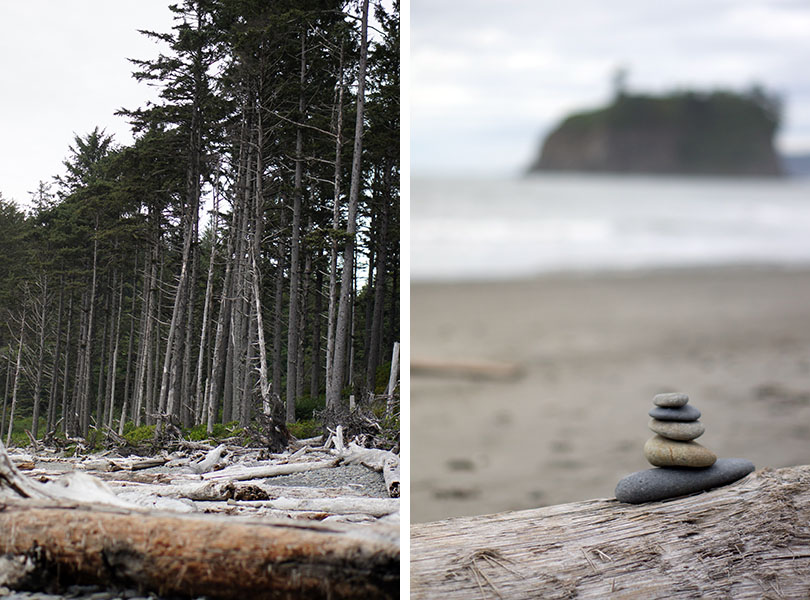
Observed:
{"x":196,"y":556}
{"x":40,"y":357}
{"x":333,"y":257}
{"x":344,"y":304}
{"x":746,"y":540}
{"x":17,"y":368}
{"x":295,"y":247}
{"x":54,"y":388}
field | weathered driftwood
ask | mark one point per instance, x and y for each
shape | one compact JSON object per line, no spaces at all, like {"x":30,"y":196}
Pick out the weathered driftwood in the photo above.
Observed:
{"x":473,"y":369}
{"x":211,"y":459}
{"x":383,"y":461}
{"x":374,"y":507}
{"x":202,"y":555}
{"x":240,"y":473}
{"x":391,"y":476}
{"x":52,"y":536}
{"x":747,"y":540}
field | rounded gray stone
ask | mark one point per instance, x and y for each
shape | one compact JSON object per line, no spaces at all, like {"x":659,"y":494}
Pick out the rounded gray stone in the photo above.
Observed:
{"x":671,"y":400}
{"x":657,"y":484}
{"x":684,"y":413}
{"x":683,"y":431}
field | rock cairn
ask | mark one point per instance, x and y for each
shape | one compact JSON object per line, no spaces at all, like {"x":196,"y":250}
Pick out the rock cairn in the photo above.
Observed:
{"x":683,"y":466}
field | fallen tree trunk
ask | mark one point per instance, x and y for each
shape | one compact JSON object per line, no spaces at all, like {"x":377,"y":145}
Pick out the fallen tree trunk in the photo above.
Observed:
{"x":192,"y":556}
{"x":240,"y":473}
{"x":747,"y":540}
{"x":51,"y":537}
{"x":473,"y":369}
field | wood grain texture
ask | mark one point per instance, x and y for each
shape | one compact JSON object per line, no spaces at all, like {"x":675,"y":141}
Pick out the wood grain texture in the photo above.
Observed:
{"x":747,"y":540}
{"x":191,"y":556}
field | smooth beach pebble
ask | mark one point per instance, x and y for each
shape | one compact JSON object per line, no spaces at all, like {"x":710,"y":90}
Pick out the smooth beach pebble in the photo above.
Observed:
{"x":678,"y":430}
{"x":659,"y":484}
{"x":672,"y":400}
{"x":682,"y":413}
{"x":661,"y":452}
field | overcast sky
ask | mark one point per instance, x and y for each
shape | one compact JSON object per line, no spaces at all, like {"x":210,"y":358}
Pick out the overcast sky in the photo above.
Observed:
{"x":64,"y":71}
{"x":488,"y":79}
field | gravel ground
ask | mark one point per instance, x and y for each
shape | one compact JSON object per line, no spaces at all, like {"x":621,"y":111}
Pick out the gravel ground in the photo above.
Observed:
{"x":359,"y":477}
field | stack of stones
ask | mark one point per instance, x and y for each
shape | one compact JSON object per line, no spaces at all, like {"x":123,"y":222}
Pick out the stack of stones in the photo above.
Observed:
{"x":683,"y":466}
{"x":676,"y":424}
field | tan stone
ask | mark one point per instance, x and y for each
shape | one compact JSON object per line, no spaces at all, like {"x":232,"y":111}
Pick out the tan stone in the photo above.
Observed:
{"x":661,"y":452}
{"x":677,"y":430}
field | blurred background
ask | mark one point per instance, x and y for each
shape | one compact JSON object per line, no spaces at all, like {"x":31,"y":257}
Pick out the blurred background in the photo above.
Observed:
{"x":608,"y":201}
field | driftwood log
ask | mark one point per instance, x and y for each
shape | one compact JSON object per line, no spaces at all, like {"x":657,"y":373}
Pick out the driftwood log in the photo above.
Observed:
{"x":76,"y":530}
{"x":465,"y":368}
{"x":215,"y":556}
{"x":747,"y":540}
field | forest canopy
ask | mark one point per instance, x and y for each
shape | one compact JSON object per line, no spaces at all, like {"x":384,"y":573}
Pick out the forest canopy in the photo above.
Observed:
{"x":240,"y":259}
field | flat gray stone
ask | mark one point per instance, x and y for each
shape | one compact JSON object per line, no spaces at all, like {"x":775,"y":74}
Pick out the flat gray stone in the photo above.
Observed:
{"x":671,"y":400}
{"x":677,"y":430}
{"x":682,"y":413}
{"x":657,"y":484}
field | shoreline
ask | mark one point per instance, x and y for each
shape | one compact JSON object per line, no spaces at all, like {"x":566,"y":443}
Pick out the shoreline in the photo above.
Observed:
{"x":593,"y":349}
{"x":565,"y":274}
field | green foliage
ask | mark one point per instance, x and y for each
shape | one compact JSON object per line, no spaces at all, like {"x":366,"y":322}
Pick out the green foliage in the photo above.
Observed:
{"x":305,"y":428}
{"x":199,"y":433}
{"x":138,"y":435}
{"x":381,"y":377}
{"x":307,"y":405}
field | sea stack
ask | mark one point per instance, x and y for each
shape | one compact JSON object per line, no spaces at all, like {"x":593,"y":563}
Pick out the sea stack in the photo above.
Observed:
{"x":683,"y":466}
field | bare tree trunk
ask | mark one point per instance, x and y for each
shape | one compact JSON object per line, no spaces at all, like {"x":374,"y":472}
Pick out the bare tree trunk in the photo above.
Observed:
{"x":333,"y":257}
{"x":268,"y":400}
{"x":43,"y":310}
{"x":5,"y":393}
{"x":209,"y":284}
{"x":221,"y":337}
{"x":85,"y":382}
{"x":75,"y":403}
{"x":295,"y":247}
{"x":66,"y":384}
{"x":109,"y":407}
{"x":185,"y":407}
{"x":152,"y":379}
{"x":130,"y":343}
{"x":54,"y":388}
{"x":344,"y":304}
{"x":278,"y":302}
{"x":140,"y":385}
{"x":315,"y":373}
{"x":302,"y":321}
{"x":375,"y":337}
{"x":17,"y":370}
{"x":106,"y":345}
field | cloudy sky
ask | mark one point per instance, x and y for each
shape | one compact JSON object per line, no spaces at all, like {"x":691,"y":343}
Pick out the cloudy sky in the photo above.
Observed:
{"x":64,"y":71}
{"x":488,"y":79}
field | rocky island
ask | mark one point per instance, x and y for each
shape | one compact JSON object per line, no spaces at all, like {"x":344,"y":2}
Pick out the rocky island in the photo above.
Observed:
{"x":714,"y":133}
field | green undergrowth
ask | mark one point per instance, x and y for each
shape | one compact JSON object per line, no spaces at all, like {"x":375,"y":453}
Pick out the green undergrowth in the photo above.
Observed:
{"x":305,"y":428}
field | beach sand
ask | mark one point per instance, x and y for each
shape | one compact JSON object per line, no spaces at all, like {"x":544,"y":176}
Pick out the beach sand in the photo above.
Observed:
{"x":594,"y":350}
